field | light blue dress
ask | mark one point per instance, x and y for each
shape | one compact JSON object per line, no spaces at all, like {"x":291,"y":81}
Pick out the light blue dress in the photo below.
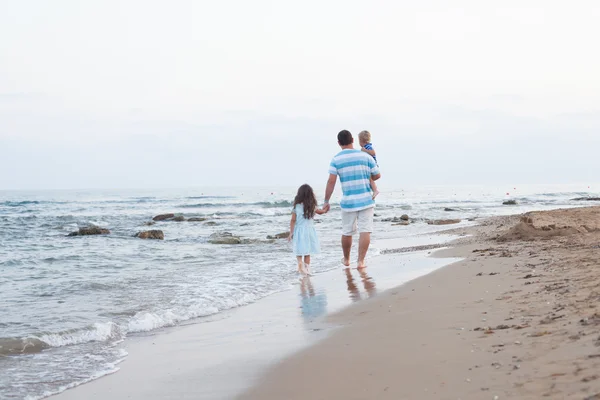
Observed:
{"x":305,"y":241}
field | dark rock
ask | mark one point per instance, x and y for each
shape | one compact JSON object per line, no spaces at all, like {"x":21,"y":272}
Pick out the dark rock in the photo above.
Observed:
{"x":282,"y":235}
{"x":586,"y":199}
{"x":404,"y":217}
{"x":449,"y":209}
{"x":90,"y":230}
{"x":179,"y":218}
{"x":509,"y":202}
{"x":153,"y":234}
{"x":210,"y":223}
{"x":224,"y":238}
{"x":443,"y":221}
{"x":149,"y":223}
{"x":196,"y":219}
{"x":163,"y":217}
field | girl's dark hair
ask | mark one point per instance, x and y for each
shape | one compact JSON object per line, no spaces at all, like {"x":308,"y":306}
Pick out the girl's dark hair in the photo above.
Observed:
{"x":306,"y":197}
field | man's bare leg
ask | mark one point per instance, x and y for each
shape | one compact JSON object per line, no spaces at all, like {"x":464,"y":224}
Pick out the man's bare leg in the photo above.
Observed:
{"x":363,"y":246}
{"x":346,"y":246}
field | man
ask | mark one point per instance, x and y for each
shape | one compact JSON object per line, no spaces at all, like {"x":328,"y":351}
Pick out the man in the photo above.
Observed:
{"x":354,"y":168}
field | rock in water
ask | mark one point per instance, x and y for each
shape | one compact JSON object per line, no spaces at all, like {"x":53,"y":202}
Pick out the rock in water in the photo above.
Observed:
{"x":224,"y":238}
{"x":210,"y":223}
{"x":282,"y":235}
{"x":153,"y":234}
{"x":510,"y":203}
{"x":179,"y":218}
{"x":163,"y":217}
{"x":443,"y":221}
{"x":449,"y":209}
{"x":587,"y":199}
{"x":196,"y":219}
{"x":90,"y":230}
{"x":404,"y":217}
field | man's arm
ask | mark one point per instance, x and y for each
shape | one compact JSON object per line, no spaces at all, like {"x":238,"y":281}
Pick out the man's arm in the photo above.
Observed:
{"x":375,"y":177}
{"x":329,"y":190}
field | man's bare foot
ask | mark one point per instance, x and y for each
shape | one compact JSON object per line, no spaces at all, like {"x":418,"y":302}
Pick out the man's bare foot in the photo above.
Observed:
{"x":375,"y":194}
{"x":346,"y":262}
{"x":361,"y":265}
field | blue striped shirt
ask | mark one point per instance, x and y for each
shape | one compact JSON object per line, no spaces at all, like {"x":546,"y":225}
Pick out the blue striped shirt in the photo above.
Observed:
{"x":355,"y":168}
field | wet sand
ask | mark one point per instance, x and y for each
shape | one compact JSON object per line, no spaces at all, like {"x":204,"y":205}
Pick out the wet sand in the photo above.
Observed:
{"x":518,"y":318}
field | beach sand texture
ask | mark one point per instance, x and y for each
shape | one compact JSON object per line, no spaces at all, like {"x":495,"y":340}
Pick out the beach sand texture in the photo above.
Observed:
{"x":517,"y":319}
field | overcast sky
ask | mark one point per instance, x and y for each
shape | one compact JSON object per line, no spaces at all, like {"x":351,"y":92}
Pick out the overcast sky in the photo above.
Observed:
{"x":143,"y":93}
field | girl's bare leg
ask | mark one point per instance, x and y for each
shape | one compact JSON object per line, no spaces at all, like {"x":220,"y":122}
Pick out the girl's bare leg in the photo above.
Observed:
{"x":300,"y":265}
{"x":307,"y":265}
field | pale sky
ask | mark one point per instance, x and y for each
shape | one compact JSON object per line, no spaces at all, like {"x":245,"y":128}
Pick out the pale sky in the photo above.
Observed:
{"x":143,"y":93}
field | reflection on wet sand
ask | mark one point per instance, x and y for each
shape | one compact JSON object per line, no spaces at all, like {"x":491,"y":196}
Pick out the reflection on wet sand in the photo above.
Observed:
{"x":368,"y":283}
{"x":313,"y":303}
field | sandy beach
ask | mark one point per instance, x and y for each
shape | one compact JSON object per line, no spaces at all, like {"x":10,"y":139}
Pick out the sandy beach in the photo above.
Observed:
{"x":517,"y":318}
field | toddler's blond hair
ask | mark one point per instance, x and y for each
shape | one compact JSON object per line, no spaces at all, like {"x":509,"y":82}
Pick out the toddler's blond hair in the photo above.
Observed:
{"x":365,"y":136}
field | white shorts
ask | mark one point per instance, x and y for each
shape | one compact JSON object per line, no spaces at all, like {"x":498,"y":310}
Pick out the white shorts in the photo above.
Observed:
{"x":357,"y":221}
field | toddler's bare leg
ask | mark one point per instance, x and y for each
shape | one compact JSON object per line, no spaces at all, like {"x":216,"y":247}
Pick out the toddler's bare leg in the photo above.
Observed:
{"x":374,"y":188}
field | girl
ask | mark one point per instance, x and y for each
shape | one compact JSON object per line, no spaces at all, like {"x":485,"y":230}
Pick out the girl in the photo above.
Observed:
{"x":302,"y":229}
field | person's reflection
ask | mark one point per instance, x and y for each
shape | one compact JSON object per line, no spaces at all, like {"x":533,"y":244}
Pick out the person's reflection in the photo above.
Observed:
{"x":314,"y":304}
{"x":367,"y":282}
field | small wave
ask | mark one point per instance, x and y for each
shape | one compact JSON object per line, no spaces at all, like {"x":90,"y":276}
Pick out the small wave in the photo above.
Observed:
{"x":209,"y":197}
{"x":109,"y":368}
{"x":98,"y":332}
{"x":263,"y":204}
{"x":28,"y":202}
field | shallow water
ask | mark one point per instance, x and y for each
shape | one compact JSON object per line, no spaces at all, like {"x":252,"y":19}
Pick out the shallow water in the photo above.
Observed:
{"x":68,"y":302}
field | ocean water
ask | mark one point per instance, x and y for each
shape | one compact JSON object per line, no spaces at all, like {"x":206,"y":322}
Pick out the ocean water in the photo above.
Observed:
{"x":67,"y":304}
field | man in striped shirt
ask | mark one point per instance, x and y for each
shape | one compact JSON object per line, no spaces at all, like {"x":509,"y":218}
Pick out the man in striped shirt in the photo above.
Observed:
{"x":354,"y":168}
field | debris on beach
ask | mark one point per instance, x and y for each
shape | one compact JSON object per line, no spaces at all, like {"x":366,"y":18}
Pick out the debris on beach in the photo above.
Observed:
{"x":443,"y":221}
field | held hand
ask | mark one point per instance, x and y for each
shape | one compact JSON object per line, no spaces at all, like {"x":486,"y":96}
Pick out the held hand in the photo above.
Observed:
{"x":326,"y":207}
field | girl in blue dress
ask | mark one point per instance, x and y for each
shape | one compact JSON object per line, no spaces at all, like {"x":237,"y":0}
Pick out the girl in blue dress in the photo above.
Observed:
{"x":302,"y":228}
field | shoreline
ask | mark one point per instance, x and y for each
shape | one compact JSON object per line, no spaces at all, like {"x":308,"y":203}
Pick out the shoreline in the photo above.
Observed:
{"x":517,"y":318}
{"x":222,"y":357}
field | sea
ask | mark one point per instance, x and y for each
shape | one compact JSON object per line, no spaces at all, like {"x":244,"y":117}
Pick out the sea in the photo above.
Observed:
{"x":69,"y":303}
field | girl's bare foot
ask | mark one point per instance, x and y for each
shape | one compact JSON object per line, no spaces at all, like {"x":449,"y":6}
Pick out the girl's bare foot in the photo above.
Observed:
{"x":308,"y":270}
{"x":375,"y":194}
{"x":346,"y":263}
{"x":301,"y":268}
